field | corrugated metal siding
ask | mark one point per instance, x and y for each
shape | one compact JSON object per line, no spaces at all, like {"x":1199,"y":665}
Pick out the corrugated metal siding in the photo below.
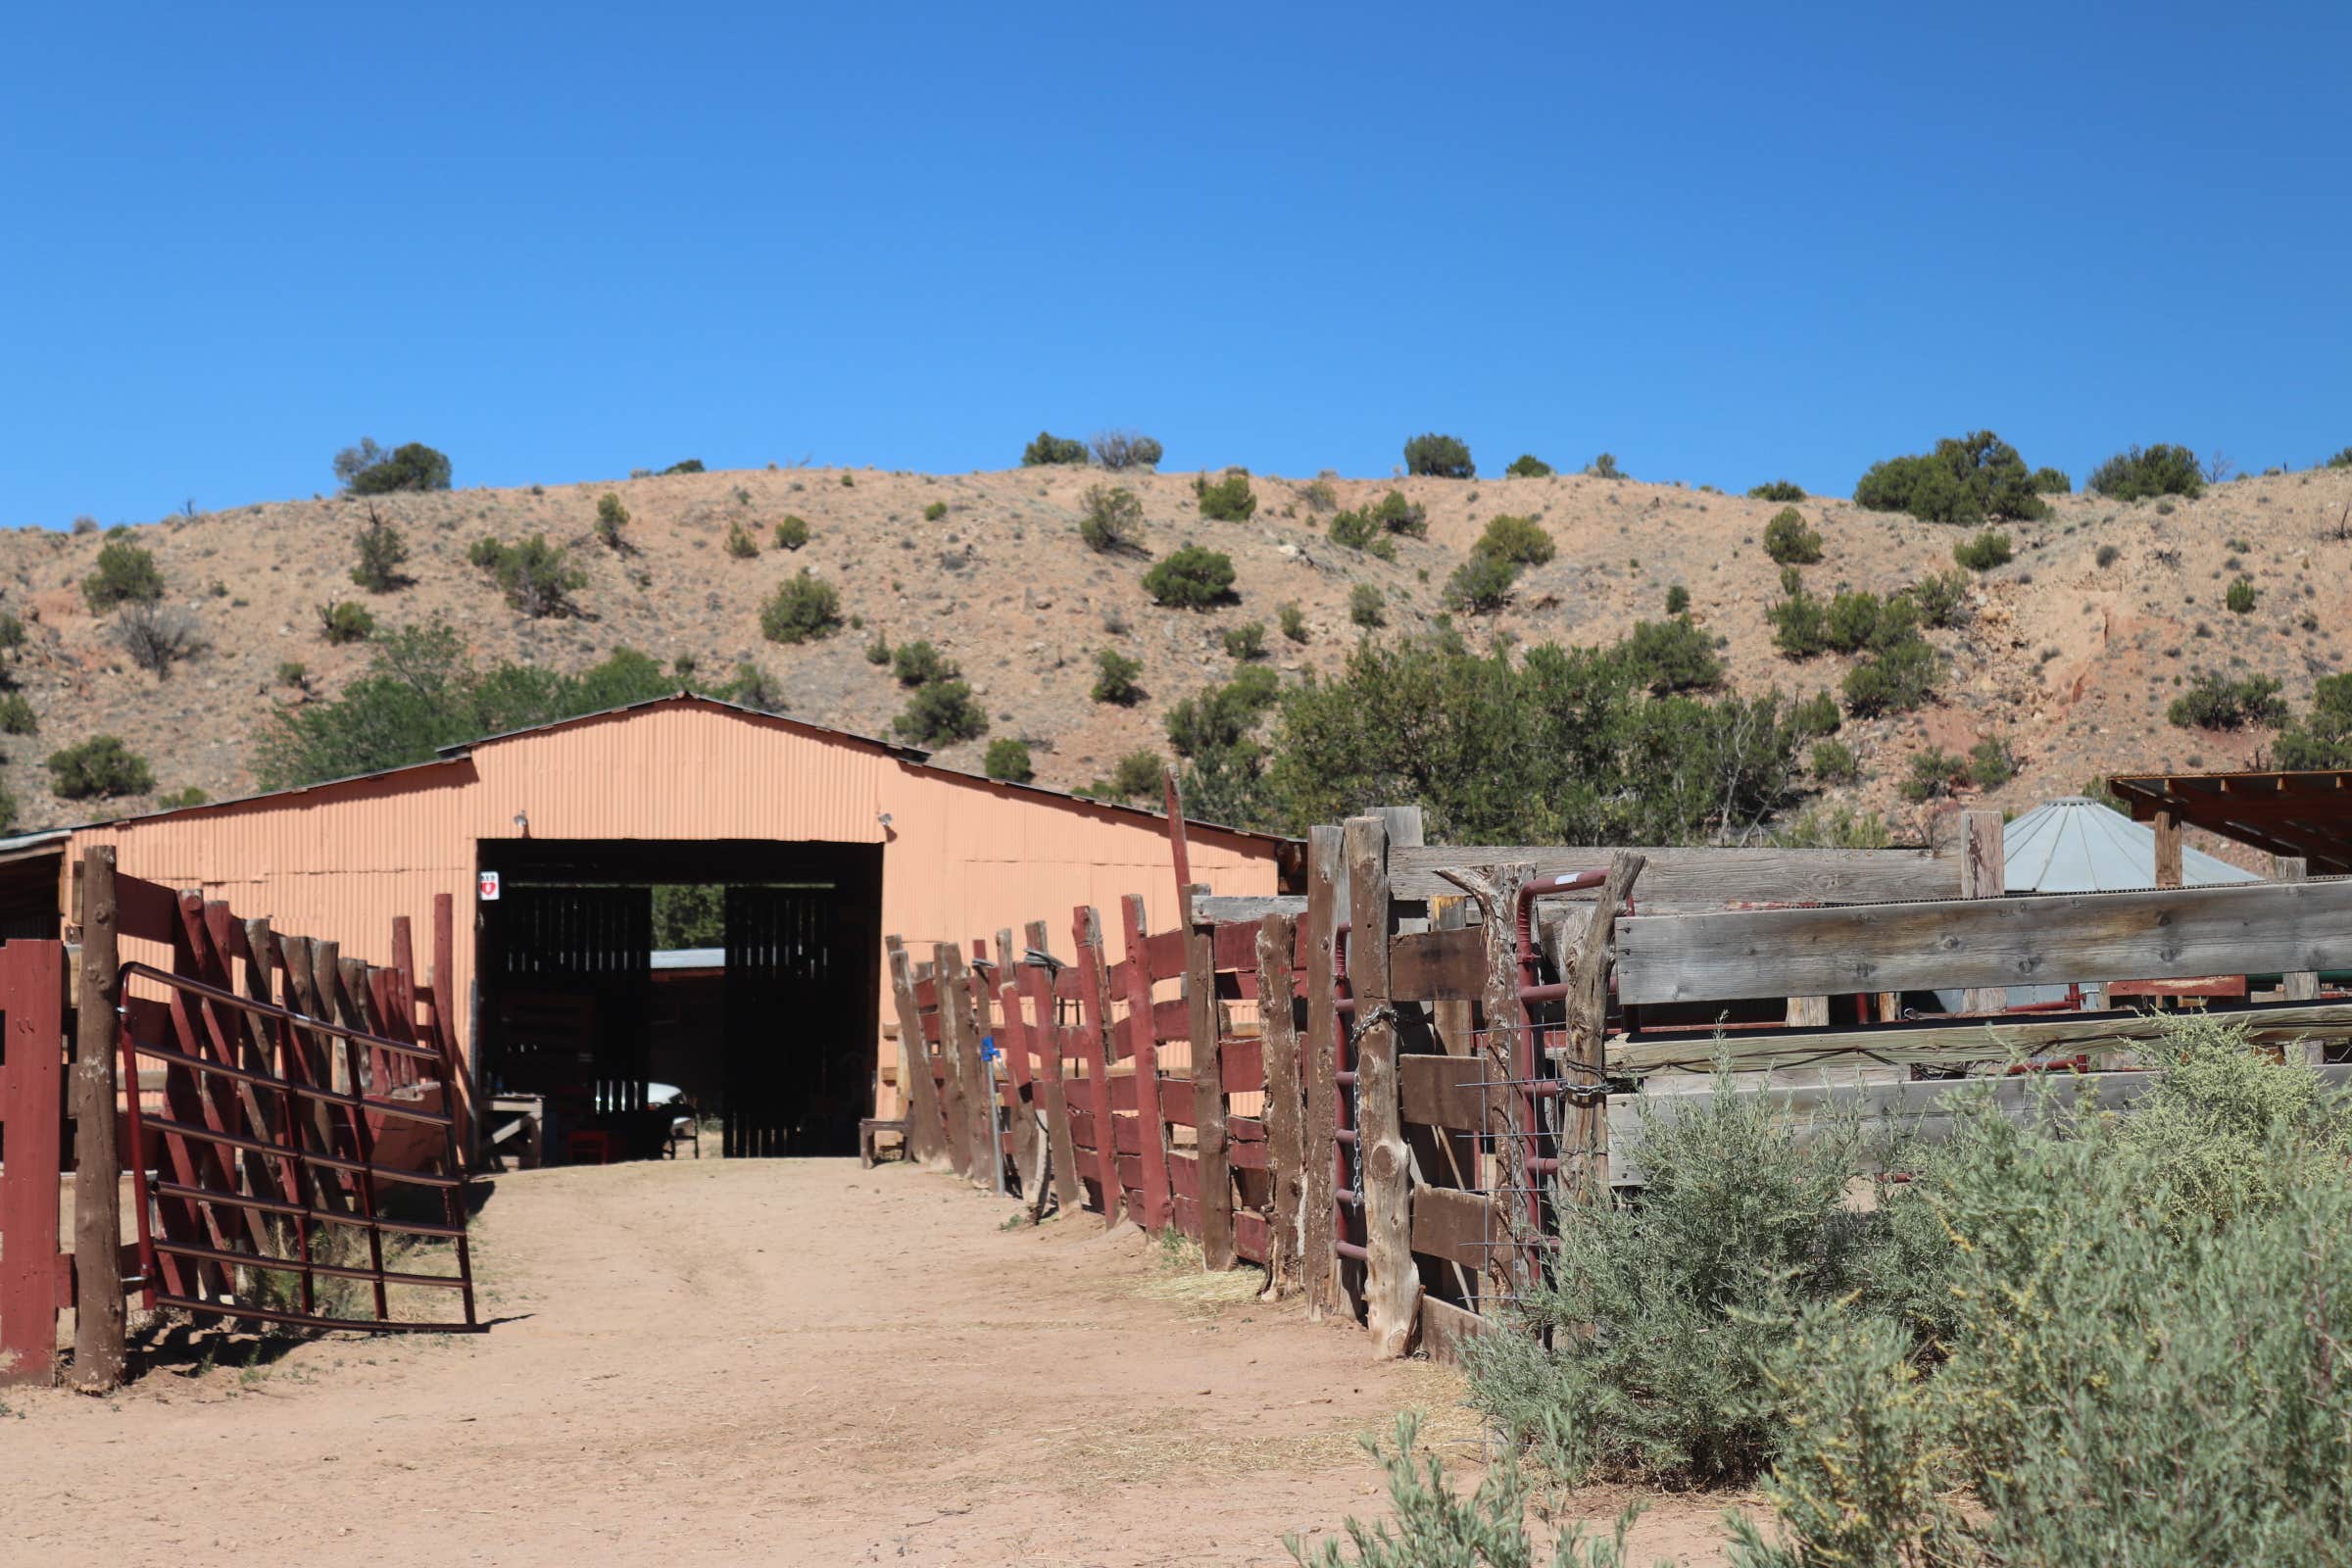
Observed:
{"x":963,"y":856}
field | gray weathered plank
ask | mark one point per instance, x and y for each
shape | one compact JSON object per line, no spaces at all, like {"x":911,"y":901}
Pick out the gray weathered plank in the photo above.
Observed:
{"x":1246,"y":907}
{"x":1709,"y":878}
{"x":2151,"y":934}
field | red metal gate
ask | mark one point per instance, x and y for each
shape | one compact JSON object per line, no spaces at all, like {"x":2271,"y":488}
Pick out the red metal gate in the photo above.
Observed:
{"x":277,"y":1138}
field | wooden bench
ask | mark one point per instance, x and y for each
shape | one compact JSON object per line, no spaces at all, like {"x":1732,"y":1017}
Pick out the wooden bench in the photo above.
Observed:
{"x":870,"y":1132}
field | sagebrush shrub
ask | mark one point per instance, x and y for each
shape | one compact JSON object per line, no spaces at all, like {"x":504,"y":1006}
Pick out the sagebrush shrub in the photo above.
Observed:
{"x":1191,"y":578}
{"x":740,"y":543}
{"x":1293,"y":620}
{"x":342,"y":620}
{"x":1114,"y":677}
{"x":1229,"y":500}
{"x":1439,"y":457}
{"x":801,"y":610}
{"x":1365,"y":606}
{"x":1522,"y":541}
{"x":1678,"y":600}
{"x":612,"y":521}
{"x":1245,"y":642}
{"x":157,"y":638}
{"x":2242,"y":597}
{"x":1942,"y":599}
{"x":2136,"y":474}
{"x":1988,"y":550}
{"x":1789,"y":542}
{"x":535,"y":578}
{"x":126,"y":573}
{"x":791,"y":533}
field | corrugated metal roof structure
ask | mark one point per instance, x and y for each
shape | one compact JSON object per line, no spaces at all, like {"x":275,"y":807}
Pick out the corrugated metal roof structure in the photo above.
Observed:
{"x":2075,"y":845}
{"x":961,"y":856}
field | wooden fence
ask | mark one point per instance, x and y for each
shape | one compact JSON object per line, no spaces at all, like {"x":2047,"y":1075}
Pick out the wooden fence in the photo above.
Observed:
{"x":1385,"y":1091}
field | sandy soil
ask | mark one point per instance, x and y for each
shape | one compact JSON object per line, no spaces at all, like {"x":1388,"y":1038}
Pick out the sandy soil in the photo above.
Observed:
{"x":2075,"y":650}
{"x":756,"y":1362}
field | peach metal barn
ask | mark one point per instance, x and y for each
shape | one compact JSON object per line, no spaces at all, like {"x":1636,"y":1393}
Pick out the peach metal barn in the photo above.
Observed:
{"x":825,"y":840}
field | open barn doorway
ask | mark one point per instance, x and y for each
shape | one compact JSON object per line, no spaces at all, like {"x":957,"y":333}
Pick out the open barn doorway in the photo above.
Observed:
{"x":769,"y":1030}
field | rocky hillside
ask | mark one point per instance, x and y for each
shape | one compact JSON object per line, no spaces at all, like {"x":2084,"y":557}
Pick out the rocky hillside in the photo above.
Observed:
{"x":2073,"y":660}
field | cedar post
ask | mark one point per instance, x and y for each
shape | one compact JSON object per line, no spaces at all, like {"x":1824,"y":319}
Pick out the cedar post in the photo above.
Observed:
{"x":962,"y":1045}
{"x":1038,"y":980}
{"x":919,"y":1095}
{"x":1143,"y":1045}
{"x":1212,"y":1156}
{"x":2168,"y":850}
{"x":1392,"y":1282}
{"x":2303,"y":985}
{"x":1278,"y":1028}
{"x":98,"y":1310}
{"x":953,"y":1110}
{"x":1585,"y":1154}
{"x":1507,"y":1108}
{"x":1984,"y":874}
{"x":1318,"y":1211}
{"x":1093,"y":1005}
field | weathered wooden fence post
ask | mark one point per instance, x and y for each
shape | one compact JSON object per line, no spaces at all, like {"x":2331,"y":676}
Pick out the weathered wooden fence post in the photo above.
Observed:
{"x":1142,"y":1045}
{"x":959,"y":1037}
{"x":1015,"y":1043}
{"x":1584,"y":1150}
{"x":2302,"y":985}
{"x":1037,"y":978}
{"x":99,"y":1315}
{"x":1319,"y":1208}
{"x":1093,"y":1005}
{"x":1984,"y":874}
{"x":1276,"y":953}
{"x":1384,"y":1174}
{"x":1212,"y":1155}
{"x":919,"y":1095}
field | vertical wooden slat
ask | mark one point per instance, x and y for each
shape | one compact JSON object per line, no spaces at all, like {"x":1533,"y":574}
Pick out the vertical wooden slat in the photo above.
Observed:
{"x":1213,"y":1157}
{"x":2168,"y":850}
{"x":1062,"y":1149}
{"x":1318,"y":1209}
{"x":955,"y":1112}
{"x":2301,"y":985}
{"x":456,"y":1063}
{"x":1585,"y":1140}
{"x":1985,"y":874}
{"x":99,"y":1315}
{"x":984,"y":1164}
{"x":1094,"y":1007}
{"x":31,"y":1105}
{"x":1392,"y":1282}
{"x":1148,"y":1111}
{"x":1277,"y":948}
{"x":1509,"y":1111}
{"x":1013,"y":1043}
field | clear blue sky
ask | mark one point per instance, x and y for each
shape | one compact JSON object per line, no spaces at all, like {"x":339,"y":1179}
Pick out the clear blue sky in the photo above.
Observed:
{"x":1724,"y":242}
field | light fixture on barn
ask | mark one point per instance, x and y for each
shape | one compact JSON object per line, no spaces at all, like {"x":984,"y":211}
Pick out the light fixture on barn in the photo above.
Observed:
{"x":522,"y":824}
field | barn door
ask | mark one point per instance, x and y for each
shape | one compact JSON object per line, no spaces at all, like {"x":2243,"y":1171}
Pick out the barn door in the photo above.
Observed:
{"x":788,"y":985}
{"x":575,"y":966}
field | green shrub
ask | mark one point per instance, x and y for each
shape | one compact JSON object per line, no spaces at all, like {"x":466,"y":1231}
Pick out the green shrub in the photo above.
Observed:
{"x":2050,"y":482}
{"x":2214,"y":701}
{"x":918,"y":663}
{"x":1114,"y":677}
{"x":1834,"y":762}
{"x":1789,"y":542}
{"x":740,"y":543}
{"x":157,"y":638}
{"x":1293,"y":620}
{"x":792,"y":533}
{"x":295,"y":673}
{"x":1229,"y":500}
{"x":1522,"y":541}
{"x":1678,"y":600}
{"x":801,"y":610}
{"x":17,"y":716}
{"x":1008,"y":760}
{"x":1365,"y":606}
{"x":1439,"y":457}
{"x":1220,"y":719}
{"x":756,"y":689}
{"x":1604,"y":466}
{"x":1858,"y":619}
{"x":1988,"y":550}
{"x":2242,"y":597}
{"x":1819,"y":827}
{"x":99,"y":768}
{"x":1671,"y":655}
{"x":1778,"y":490}
{"x":2343,"y":459}
{"x":1049,"y":450}
{"x":1990,"y":763}
{"x":1942,"y":599}
{"x":1896,"y":680}
{"x":12,"y":631}
{"x":1527,"y":466}
{"x":1934,"y":774}
{"x":341,"y":621}
{"x":1248,"y":642}
{"x":611,"y":519}
{"x":1319,"y":496}
{"x":1817,"y":714}
{"x":382,"y":553}
{"x":1118,"y":449}
{"x":535,"y":578}
{"x":1111,"y":517}
{"x":935,"y":510}
{"x":2135,"y":474}
{"x":1966,"y":481}
{"x":1799,"y":623}
{"x":941,"y":714}
{"x":1741,"y":1216}
{"x":877,"y":651}
{"x":2323,"y":737}
{"x":2107,"y":555}
{"x":1137,"y":776}
{"x":178,"y":800}
{"x":126,"y":574}
{"x":1191,"y":578}
{"x":687,"y":465}
{"x":366,"y":469}
{"x":1482,"y":584}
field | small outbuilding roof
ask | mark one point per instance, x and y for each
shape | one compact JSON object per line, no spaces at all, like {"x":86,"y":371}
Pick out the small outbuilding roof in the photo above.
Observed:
{"x":2075,"y":845}
{"x":2306,"y":813}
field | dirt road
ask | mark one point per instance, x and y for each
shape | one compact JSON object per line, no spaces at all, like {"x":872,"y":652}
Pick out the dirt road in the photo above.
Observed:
{"x":748,"y":1363}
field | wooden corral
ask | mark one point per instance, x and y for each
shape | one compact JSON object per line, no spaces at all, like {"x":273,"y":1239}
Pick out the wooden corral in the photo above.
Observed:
{"x":1385,"y":1091}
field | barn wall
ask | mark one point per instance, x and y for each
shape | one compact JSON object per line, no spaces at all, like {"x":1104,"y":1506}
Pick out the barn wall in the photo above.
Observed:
{"x":961,"y":856}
